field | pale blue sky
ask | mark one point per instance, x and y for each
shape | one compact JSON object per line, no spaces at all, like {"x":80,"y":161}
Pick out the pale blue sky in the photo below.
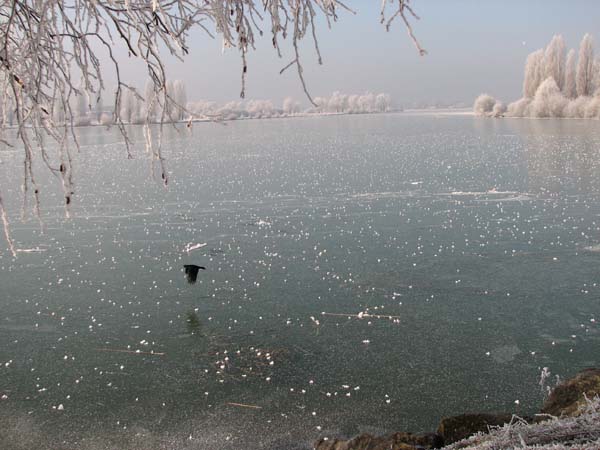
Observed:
{"x":474,"y":46}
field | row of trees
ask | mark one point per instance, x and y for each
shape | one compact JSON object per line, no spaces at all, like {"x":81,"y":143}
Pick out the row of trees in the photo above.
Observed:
{"x":556,"y":84}
{"x":136,"y":109}
{"x":336,"y":103}
{"x":352,"y":104}
{"x":133,"y":108}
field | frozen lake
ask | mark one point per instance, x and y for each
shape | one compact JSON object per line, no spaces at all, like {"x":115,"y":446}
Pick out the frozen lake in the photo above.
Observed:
{"x":479,"y":237}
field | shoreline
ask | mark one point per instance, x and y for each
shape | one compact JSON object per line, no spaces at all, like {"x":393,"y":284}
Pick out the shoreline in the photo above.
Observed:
{"x":568,"y":419}
{"x":407,"y":112}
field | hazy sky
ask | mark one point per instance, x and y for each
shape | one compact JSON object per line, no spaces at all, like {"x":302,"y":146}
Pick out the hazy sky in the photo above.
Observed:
{"x":474,"y":46}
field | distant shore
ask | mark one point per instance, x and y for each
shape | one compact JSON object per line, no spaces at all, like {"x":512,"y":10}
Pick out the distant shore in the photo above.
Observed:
{"x":415,"y":111}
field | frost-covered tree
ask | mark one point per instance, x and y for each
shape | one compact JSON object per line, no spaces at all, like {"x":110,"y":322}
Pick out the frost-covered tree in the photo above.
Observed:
{"x":585,"y":66}
{"x":203,"y":108}
{"x":290,"y":106}
{"x":383,"y":102}
{"x":179,"y":97}
{"x":105,"y":119}
{"x":176,"y":101}
{"x":81,"y":106}
{"x":129,"y":106}
{"x":7,"y":108}
{"x":554,"y":60}
{"x":58,"y":112}
{"x":353,"y":104}
{"x":169,"y":105}
{"x":259,"y":109}
{"x":499,"y":109}
{"x":337,"y":103}
{"x":569,"y":88}
{"x":596,"y":76}
{"x":576,"y":108}
{"x":484,"y":105}
{"x":367,"y":102}
{"x":555,"y":87}
{"x":151,"y":101}
{"x":549,"y":100}
{"x":98,"y":108}
{"x":519,"y":108}
{"x":534,"y":70}
{"x":82,"y":110}
{"x":592,"y":108}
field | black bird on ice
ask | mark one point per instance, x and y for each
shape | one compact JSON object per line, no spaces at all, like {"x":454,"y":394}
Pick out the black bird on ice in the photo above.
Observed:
{"x":191,"y":272}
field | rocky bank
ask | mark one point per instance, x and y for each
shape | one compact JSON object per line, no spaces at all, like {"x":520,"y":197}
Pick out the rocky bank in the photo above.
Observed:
{"x":569,"y":419}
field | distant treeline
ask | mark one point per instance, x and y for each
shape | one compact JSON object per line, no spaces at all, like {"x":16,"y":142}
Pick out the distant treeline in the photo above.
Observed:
{"x":136,"y":108}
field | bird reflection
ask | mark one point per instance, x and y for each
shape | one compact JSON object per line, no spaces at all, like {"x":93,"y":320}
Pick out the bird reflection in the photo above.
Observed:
{"x":191,"y":272}
{"x":193,"y":323}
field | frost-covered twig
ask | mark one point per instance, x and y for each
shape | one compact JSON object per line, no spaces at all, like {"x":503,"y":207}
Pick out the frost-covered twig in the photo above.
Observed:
{"x":582,"y":431}
{"x":403,"y":8}
{"x":6,"y":228}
